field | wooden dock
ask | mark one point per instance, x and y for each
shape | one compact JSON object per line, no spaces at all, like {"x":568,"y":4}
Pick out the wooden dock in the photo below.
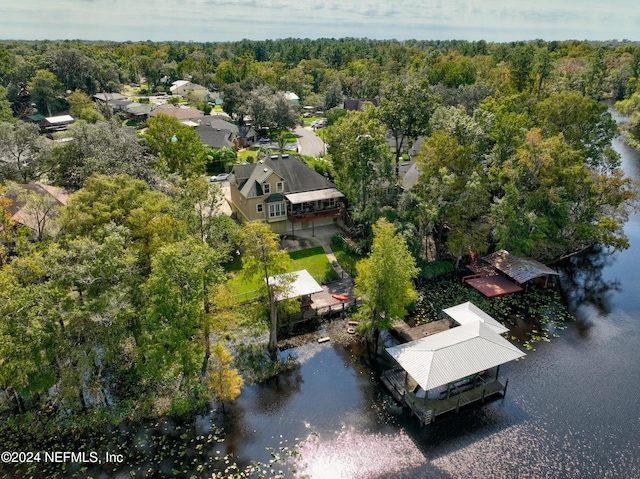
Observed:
{"x":426,"y":409}
{"x":407,"y":333}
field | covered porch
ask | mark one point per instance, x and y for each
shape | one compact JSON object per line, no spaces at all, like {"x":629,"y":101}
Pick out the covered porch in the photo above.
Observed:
{"x":310,"y":206}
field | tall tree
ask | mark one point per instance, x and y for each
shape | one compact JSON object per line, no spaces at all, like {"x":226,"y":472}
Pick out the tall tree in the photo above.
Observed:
{"x":333,"y":95}
{"x":384,"y":280}
{"x":175,"y":336}
{"x":46,"y":92}
{"x":454,"y":196}
{"x":361,"y":161}
{"x":78,"y":103}
{"x":127,"y":202}
{"x":197,"y":203}
{"x":102,"y":148}
{"x":585,"y":124}
{"x":177,"y":146}
{"x":554,"y":204}
{"x":40,"y":212}
{"x":521,"y":63}
{"x":264,"y":259}
{"x":23,"y":152}
{"x":452,"y":70}
{"x":6,"y":114}
{"x":75,"y":70}
{"x":224,"y":381}
{"x":405,"y":109}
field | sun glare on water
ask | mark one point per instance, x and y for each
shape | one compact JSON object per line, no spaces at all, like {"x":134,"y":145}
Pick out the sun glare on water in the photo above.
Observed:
{"x":353,"y":455}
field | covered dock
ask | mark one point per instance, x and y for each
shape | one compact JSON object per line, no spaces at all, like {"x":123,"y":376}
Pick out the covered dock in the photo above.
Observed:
{"x":450,"y":369}
{"x":503,"y":273}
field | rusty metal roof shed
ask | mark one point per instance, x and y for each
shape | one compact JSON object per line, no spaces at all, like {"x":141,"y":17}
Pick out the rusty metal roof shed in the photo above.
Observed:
{"x":517,"y":268}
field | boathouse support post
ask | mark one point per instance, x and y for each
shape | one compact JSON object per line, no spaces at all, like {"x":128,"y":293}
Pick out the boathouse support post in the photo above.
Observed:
{"x":504,"y":393}
{"x":458,"y":405}
{"x":483,"y":391}
{"x":497,"y":372}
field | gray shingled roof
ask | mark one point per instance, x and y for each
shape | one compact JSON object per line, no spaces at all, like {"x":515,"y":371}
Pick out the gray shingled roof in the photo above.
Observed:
{"x":214,"y":137}
{"x":296,"y":174}
{"x":357,"y":104}
{"x":109,"y":96}
{"x":253,"y":186}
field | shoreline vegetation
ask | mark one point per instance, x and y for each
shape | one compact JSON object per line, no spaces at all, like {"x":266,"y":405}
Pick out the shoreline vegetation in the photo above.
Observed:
{"x":116,"y":303}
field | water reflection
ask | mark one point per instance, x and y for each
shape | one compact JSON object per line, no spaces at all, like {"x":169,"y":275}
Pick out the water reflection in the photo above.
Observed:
{"x":583,"y":281}
{"x":354,"y":454}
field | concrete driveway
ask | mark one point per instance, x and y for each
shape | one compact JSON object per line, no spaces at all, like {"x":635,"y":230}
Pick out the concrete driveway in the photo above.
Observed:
{"x":309,"y":143}
{"x":225,"y":205}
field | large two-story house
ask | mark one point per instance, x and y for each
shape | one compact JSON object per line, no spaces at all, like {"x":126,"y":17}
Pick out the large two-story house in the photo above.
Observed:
{"x":284,"y":192}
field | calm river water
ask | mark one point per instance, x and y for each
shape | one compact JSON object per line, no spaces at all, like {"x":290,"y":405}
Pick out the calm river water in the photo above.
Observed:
{"x":572,"y":409}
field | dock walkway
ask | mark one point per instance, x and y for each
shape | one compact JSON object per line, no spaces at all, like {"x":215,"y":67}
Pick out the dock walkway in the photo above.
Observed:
{"x":408,"y":333}
{"x":427,"y":409}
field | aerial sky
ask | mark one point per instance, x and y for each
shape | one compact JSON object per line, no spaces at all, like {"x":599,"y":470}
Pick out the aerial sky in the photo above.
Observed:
{"x":228,"y":20}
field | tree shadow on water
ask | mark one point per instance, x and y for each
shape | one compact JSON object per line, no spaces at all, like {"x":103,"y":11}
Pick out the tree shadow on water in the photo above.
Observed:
{"x":582,"y":280}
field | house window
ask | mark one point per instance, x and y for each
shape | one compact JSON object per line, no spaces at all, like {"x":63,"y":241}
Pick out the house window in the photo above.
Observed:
{"x":259,"y":208}
{"x":266,"y":188}
{"x":332,"y":202}
{"x":279,"y":187}
{"x":277,"y":209}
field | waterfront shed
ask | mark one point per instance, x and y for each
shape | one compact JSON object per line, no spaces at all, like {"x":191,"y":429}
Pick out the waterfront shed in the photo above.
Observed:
{"x":518,"y":268}
{"x":295,"y":284}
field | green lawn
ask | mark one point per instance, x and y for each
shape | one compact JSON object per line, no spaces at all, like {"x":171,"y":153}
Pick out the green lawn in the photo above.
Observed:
{"x":313,"y":260}
{"x":346,"y":260}
{"x":244,"y":154}
{"x":275,"y":135}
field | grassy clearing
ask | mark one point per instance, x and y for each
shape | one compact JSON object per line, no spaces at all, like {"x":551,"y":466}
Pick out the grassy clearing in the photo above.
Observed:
{"x":347,"y":260}
{"x":275,"y":135}
{"x":314,"y":260}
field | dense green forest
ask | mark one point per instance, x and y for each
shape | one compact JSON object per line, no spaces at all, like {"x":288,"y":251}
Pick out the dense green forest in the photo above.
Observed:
{"x":108,"y":306}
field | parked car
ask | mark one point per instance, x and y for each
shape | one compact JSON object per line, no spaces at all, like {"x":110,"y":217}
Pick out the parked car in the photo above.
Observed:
{"x":220,"y":177}
{"x":265,"y":140}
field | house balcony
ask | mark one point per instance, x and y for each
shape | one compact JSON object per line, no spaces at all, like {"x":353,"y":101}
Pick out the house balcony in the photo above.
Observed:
{"x":302,"y":217}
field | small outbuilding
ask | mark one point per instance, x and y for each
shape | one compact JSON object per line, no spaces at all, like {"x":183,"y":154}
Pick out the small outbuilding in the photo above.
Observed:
{"x":519,"y":269}
{"x":502,"y":273}
{"x":56,"y":123}
{"x":294,"y":285}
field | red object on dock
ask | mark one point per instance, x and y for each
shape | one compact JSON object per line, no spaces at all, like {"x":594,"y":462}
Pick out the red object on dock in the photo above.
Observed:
{"x":340,"y":297}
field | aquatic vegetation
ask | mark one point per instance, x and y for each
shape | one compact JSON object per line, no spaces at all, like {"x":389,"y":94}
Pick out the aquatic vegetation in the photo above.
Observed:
{"x":534,"y":315}
{"x":167,"y":447}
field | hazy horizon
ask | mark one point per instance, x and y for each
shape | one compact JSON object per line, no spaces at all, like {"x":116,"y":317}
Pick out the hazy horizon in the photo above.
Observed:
{"x":231,"y":20}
